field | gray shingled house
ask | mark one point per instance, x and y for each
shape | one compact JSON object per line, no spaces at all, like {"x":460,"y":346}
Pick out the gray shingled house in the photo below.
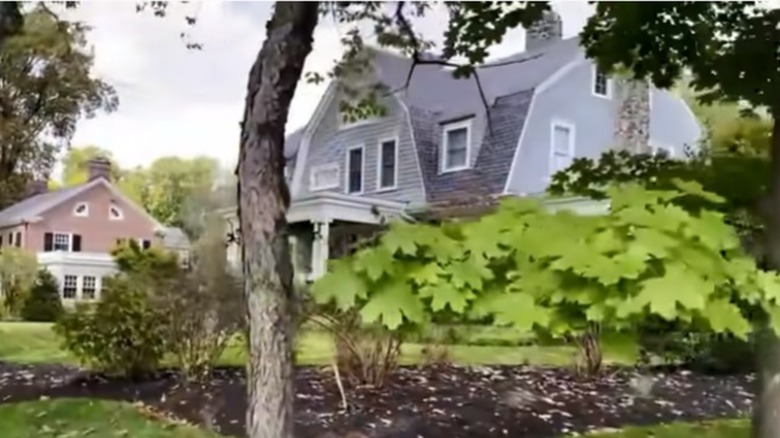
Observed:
{"x":440,"y":144}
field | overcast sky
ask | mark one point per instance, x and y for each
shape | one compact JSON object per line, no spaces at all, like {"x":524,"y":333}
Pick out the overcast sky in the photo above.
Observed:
{"x":175,"y":101}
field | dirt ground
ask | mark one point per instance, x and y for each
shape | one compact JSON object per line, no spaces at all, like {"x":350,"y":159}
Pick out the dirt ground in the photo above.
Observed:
{"x":446,"y":402}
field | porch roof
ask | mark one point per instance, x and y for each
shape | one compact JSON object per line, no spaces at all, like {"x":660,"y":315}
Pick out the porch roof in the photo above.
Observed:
{"x":329,"y":206}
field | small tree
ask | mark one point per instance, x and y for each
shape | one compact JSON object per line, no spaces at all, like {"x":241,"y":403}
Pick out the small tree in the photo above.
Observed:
{"x":44,"y":303}
{"x":18,"y":270}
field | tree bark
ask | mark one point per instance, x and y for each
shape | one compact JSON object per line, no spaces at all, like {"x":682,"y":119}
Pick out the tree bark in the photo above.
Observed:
{"x":766,"y":411}
{"x":263,"y":199}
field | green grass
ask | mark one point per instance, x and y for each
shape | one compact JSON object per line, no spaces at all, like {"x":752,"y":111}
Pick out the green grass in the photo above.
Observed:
{"x":36,"y":343}
{"x":710,"y":429}
{"x":81,"y":418}
{"x":87,"y":418}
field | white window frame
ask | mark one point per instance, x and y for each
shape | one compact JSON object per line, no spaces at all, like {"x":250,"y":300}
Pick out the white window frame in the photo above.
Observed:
{"x":362,"y":170}
{"x":572,"y":142}
{"x":446,"y":129}
{"x":326,"y":168}
{"x":85,"y":213}
{"x":118,"y":209}
{"x":94,"y":287}
{"x":69,"y":236}
{"x":593,"y":82}
{"x":65,"y":285}
{"x":379,"y":164}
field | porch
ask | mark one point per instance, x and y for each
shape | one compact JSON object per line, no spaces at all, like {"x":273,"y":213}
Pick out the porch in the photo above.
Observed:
{"x":324,"y":225}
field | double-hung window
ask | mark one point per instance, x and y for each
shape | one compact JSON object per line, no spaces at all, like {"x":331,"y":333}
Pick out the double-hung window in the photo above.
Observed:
{"x":456,"y":146}
{"x":387,"y":171}
{"x":562,"y":147}
{"x":354,"y":181}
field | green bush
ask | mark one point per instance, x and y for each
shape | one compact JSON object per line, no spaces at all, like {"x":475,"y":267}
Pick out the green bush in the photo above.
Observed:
{"x":43,"y":304}
{"x":121,"y":334}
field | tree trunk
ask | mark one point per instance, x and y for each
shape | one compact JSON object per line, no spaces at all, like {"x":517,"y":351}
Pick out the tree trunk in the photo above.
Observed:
{"x":263,"y":199}
{"x":766,"y":411}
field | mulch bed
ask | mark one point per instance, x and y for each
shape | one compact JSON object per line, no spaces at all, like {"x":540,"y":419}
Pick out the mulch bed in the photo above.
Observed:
{"x":451,"y":402}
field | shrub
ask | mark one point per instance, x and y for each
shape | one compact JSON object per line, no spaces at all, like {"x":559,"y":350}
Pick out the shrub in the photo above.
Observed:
{"x":43,"y":304}
{"x":18,"y":269}
{"x":120,"y":334}
{"x":204,"y":307}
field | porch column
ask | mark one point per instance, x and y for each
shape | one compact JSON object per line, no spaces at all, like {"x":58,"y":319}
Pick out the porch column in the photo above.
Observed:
{"x":320,"y":249}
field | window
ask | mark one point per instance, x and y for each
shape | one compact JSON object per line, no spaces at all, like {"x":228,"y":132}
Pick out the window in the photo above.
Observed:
{"x":324,"y":176}
{"x":144,"y":243}
{"x":184,"y":258}
{"x":562,"y":146}
{"x":69,"y":287}
{"x":601,"y":84}
{"x":18,"y":239}
{"x":81,"y":210}
{"x":456,"y":147}
{"x":61,"y":242}
{"x":387,"y":172}
{"x":115,"y":213}
{"x":88,"y":287}
{"x":355,"y":170}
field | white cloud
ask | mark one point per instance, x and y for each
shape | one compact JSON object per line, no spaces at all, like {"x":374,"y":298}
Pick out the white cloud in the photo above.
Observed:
{"x":175,"y":101}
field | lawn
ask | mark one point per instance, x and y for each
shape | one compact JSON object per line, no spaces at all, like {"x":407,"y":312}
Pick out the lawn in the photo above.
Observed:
{"x":78,"y":417}
{"x":24,"y":342}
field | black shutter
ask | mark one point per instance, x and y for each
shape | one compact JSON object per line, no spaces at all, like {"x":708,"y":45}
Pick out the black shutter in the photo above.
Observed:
{"x":146,"y":244}
{"x":18,"y":242}
{"x":48,"y":242}
{"x":1,"y":241}
{"x":76,"y":247}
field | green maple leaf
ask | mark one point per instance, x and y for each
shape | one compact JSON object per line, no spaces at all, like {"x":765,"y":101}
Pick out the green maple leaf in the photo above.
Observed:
{"x":651,"y":242}
{"x":678,"y":285}
{"x":629,"y":307}
{"x":710,"y":229}
{"x":483,"y":238}
{"x":401,"y":237}
{"x":426,"y":273}
{"x":342,"y":285}
{"x":444,"y":294}
{"x":516,"y":309}
{"x":374,"y":262}
{"x":769,"y":284}
{"x":724,"y":316}
{"x":390,"y":303}
{"x":444,"y":247}
{"x":696,"y":189}
{"x":470,"y":272}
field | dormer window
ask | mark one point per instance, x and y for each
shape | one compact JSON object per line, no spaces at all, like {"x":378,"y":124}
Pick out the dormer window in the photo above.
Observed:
{"x":115,"y":213}
{"x":81,"y":210}
{"x":456,"y":146}
{"x":602,"y":84}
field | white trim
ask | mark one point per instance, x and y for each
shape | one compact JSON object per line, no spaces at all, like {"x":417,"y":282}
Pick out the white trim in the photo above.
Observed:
{"x":609,"y":84}
{"x":362,"y":170}
{"x":306,"y":137}
{"x":557,"y":123}
{"x":85,"y":213}
{"x":414,"y":145}
{"x":329,"y":206}
{"x":446,"y":129}
{"x":379,"y":163}
{"x":516,"y":156}
{"x":559,"y":75}
{"x":324,"y":168}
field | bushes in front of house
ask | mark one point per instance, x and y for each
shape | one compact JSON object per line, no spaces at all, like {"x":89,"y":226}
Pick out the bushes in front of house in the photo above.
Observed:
{"x":43,"y":303}
{"x":154,"y":307}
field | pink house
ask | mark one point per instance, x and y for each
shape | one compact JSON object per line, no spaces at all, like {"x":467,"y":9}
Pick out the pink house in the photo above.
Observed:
{"x":73,"y":230}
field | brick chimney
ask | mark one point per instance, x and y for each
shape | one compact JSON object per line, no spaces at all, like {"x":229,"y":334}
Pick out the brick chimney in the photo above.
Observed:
{"x":548,"y":29}
{"x":36,"y":187}
{"x":99,"y":167}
